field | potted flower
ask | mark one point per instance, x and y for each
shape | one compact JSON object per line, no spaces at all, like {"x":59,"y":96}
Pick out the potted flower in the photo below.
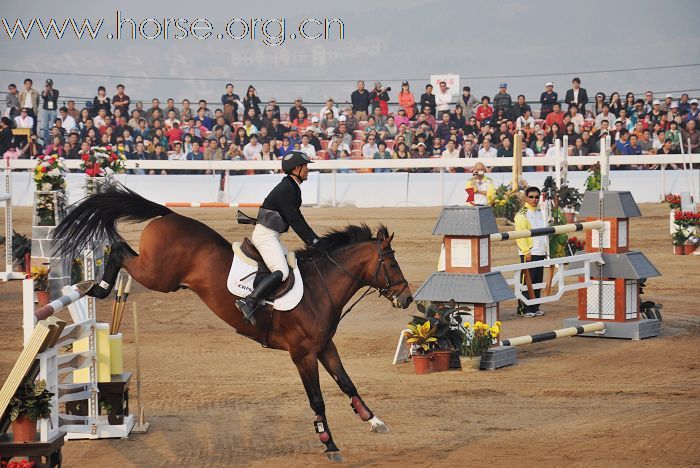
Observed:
{"x":21,"y":250}
{"x":446,"y":319}
{"x":594,"y":181}
{"x":686,"y":222}
{"x":31,"y":402}
{"x":422,"y":337}
{"x":40,"y":275}
{"x":674,"y":203}
{"x":505,"y":204}
{"x":477,"y":340}
{"x":574,"y":244}
{"x":569,"y":202}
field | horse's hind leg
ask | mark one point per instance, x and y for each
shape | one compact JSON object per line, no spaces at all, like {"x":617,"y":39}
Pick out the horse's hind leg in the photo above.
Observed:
{"x":331,"y":361}
{"x":119,"y":253}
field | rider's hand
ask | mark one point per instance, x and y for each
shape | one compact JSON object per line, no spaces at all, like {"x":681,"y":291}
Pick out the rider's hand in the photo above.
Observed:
{"x":321,"y":246}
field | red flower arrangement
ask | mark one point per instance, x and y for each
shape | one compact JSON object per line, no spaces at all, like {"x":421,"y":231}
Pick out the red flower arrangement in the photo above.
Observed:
{"x":674,"y":201}
{"x":575,"y":244}
{"x":102,"y":161}
{"x":686,"y":219}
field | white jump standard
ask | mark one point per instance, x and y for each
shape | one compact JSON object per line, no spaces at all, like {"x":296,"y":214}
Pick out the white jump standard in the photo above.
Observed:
{"x":607,"y":273}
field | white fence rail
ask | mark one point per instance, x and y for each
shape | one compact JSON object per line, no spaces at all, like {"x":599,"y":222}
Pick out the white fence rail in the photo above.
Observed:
{"x":567,"y":267}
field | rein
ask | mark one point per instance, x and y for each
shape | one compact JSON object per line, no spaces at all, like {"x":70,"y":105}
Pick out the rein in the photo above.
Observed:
{"x":370,"y":287}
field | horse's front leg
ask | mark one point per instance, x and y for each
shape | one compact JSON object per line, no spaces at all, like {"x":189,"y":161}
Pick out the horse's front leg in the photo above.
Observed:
{"x":331,"y":361}
{"x":307,"y":364}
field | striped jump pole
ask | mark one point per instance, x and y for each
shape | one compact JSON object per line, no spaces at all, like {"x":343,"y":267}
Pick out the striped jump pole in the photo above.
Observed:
{"x":52,"y":307}
{"x":547,"y":231}
{"x":211,"y":205}
{"x":552,"y":335}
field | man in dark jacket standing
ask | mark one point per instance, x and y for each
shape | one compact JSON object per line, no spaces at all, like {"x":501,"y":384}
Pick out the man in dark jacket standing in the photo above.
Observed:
{"x":502,"y":100}
{"x":279,"y":211}
{"x":360,"y":99}
{"x":577,"y":95}
{"x":427,"y":99}
{"x":547,"y":99}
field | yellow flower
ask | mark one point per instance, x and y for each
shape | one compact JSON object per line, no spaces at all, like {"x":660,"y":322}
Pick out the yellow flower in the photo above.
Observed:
{"x":467,"y":325}
{"x":498,"y":323}
{"x":477,"y":324}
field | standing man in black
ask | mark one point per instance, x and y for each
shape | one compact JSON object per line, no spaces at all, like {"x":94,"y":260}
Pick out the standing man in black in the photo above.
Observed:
{"x":577,"y":95}
{"x":279,"y":211}
{"x":427,"y":99}
{"x":360,"y":99}
{"x":230,"y":102}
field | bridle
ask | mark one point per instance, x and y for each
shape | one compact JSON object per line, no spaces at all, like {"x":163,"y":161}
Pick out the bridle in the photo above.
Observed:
{"x":383,"y":291}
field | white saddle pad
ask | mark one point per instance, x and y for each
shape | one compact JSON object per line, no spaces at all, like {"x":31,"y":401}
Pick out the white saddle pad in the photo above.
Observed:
{"x":242,"y":275}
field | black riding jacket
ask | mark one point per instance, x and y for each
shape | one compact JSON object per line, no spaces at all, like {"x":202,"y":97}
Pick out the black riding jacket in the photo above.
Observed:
{"x":285,"y":199}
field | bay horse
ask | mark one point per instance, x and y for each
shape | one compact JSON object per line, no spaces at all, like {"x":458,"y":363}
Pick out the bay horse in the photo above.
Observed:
{"x":178,"y":252}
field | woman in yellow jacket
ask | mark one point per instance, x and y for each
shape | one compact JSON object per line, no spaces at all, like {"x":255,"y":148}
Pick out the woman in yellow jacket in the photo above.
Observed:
{"x":531,"y":249}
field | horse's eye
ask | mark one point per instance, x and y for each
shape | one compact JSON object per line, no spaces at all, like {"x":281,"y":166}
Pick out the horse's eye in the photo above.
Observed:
{"x":394,"y":265}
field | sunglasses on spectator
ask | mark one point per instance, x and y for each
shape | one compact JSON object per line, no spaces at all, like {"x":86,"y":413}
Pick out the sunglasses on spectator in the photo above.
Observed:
{"x":533,"y":196}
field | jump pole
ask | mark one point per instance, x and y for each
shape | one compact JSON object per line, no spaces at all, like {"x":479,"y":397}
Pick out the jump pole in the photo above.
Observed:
{"x":546,"y":231}
{"x":554,"y":334}
{"x":210,"y":205}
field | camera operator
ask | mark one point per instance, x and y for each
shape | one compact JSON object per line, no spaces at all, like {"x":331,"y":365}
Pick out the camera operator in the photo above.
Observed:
{"x":379,"y":97}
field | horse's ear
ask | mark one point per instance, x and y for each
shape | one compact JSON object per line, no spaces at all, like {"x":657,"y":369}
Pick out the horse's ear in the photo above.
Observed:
{"x":380,"y":235}
{"x":386,"y":240}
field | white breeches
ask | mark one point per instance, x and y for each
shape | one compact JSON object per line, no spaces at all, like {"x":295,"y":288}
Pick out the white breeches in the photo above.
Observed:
{"x":271,"y":248}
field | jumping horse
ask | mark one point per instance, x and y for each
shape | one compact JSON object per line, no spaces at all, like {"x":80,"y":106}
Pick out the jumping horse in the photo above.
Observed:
{"x":178,"y":252}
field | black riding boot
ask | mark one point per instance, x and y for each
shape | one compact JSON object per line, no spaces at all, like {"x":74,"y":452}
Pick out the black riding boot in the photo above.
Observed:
{"x":266,"y":286}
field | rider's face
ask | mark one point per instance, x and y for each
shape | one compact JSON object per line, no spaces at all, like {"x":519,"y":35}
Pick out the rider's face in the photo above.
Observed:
{"x":303,"y":172}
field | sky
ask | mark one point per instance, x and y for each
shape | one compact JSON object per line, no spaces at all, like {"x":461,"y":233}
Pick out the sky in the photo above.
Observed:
{"x":484,"y":42}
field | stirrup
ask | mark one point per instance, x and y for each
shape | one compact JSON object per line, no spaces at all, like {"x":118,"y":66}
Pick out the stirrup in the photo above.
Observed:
{"x":247,"y":309}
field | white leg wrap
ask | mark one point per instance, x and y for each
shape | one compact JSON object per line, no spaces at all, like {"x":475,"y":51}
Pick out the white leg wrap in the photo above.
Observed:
{"x":377,"y":426}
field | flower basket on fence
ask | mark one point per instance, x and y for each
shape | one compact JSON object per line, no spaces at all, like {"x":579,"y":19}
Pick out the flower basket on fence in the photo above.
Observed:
{"x":49,"y":197}
{"x":102,"y":161}
{"x":685,"y":223}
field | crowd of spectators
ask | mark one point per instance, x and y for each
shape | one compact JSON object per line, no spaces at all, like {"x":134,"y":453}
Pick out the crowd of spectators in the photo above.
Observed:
{"x":442,"y":123}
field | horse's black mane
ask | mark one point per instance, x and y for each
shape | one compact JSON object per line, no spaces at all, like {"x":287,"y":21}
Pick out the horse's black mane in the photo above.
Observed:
{"x":337,"y":238}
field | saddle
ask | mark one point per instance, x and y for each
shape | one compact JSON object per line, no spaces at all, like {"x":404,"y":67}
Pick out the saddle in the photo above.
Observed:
{"x":251,"y":252}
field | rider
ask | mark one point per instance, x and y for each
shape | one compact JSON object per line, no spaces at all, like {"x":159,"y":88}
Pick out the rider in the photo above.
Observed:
{"x":279,"y":211}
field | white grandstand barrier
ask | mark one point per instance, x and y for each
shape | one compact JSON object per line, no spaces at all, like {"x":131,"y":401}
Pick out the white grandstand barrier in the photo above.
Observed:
{"x":360,"y":189}
{"x":385,"y":163}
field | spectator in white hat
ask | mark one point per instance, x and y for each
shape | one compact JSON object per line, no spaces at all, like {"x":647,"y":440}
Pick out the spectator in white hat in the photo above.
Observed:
{"x":547,"y":99}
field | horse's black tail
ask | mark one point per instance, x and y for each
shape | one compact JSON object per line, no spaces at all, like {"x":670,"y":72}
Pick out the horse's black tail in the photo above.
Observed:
{"x":96,"y":216}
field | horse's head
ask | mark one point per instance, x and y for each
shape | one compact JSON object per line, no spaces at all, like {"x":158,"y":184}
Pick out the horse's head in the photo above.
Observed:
{"x":388,"y":277}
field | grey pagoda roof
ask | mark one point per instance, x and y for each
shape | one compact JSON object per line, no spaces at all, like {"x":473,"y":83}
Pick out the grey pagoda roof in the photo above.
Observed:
{"x":628,"y":265}
{"x":484,"y":288}
{"x":615,"y":205}
{"x":466,"y":221}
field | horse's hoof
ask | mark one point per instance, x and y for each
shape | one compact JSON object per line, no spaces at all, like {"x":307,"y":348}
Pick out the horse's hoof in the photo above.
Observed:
{"x":380,"y":429}
{"x":334,"y":456}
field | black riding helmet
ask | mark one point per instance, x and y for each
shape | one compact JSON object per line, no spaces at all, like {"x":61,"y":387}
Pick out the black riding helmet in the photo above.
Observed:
{"x":293,"y":160}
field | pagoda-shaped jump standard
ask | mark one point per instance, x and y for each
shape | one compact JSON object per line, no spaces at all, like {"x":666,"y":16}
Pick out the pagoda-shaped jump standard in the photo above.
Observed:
{"x":618,"y":279}
{"x":464,"y":272}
